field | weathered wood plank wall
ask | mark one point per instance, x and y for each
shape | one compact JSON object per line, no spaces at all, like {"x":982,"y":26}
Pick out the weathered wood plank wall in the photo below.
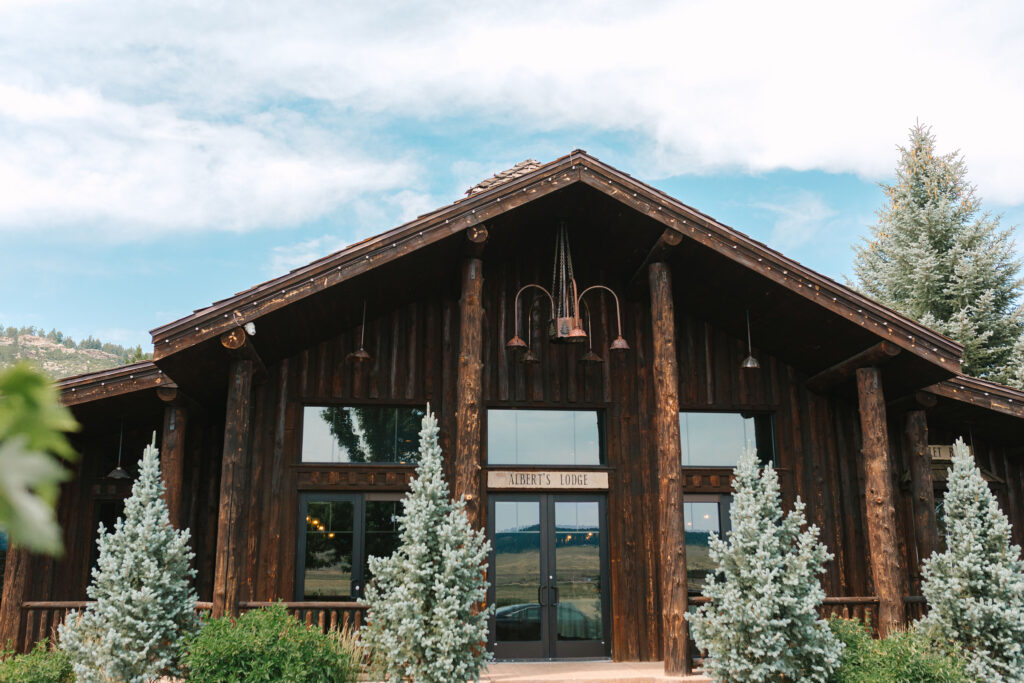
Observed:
{"x":415,"y":347}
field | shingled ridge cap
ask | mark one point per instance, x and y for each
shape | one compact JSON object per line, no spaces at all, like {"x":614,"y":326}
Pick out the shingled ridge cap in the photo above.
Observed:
{"x":501,"y":177}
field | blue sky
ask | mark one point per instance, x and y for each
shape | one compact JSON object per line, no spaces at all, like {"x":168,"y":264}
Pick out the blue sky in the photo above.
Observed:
{"x":155,"y":157}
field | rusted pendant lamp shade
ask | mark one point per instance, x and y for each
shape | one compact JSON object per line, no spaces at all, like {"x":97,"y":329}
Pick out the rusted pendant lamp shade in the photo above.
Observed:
{"x":750,"y":362}
{"x":564,"y":300}
{"x":590,"y":358}
{"x":529,"y":358}
{"x":360,"y":355}
{"x":119,"y":472}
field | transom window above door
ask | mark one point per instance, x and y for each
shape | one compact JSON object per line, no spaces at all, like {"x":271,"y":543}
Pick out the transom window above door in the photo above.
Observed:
{"x":544,"y":437}
{"x":360,"y":434}
{"x":719,"y":439}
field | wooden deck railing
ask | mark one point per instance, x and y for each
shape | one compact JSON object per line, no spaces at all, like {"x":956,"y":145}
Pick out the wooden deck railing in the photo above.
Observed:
{"x":917,"y":607}
{"x":862,"y":608}
{"x":328,"y":616}
{"x":40,"y":620}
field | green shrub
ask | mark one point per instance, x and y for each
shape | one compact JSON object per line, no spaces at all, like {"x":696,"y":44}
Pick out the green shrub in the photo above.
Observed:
{"x":39,"y":666}
{"x":905,"y":656}
{"x":266,"y":645}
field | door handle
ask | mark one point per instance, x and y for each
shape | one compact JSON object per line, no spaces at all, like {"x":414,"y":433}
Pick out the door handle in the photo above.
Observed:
{"x":540,"y":599}
{"x":555,"y":601}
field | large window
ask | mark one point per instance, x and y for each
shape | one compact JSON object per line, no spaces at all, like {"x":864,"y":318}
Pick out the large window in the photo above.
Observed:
{"x":719,"y":439}
{"x":544,"y":437}
{"x":703,"y":516}
{"x":360,"y":434}
{"x":338,"y":532}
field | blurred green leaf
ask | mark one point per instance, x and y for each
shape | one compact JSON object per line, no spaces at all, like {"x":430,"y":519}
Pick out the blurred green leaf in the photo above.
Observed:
{"x":32,"y":430}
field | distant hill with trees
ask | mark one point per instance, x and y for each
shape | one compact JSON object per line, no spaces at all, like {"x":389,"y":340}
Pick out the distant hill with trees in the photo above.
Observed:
{"x":57,"y":355}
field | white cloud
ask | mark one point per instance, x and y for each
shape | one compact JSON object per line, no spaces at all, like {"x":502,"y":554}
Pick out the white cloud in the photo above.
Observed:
{"x":163,"y":116}
{"x":290,"y":256}
{"x":130,"y":171}
{"x":798,"y":220}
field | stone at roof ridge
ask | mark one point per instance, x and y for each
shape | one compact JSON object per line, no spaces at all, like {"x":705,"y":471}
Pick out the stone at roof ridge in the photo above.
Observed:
{"x":520,"y":169}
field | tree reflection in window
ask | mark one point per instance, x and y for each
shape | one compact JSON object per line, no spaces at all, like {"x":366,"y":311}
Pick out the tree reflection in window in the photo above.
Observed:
{"x":361,"y":434}
{"x":329,"y":548}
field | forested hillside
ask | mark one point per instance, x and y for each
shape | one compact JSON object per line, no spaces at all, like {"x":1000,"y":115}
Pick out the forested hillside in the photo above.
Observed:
{"x":58,"y":355}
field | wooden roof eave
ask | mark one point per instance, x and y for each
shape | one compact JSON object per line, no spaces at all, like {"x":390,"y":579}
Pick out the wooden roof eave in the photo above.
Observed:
{"x":103,"y":384}
{"x":576,"y":167}
{"x":982,"y":394}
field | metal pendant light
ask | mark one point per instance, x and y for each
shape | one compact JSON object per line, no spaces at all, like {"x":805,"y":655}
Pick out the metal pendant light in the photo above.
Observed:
{"x":590,"y":358}
{"x":564,"y":298}
{"x":750,"y":361}
{"x":360,"y":355}
{"x":119,"y":472}
{"x":529,"y":357}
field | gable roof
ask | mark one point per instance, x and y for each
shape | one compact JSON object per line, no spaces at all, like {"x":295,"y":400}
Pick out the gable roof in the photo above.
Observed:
{"x":507,"y":193}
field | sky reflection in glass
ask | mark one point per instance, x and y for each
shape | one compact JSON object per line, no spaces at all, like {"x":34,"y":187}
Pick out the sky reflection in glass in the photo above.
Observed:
{"x":543,"y":437}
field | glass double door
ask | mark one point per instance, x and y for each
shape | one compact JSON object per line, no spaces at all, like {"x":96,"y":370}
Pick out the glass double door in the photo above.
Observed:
{"x":549,"y":581}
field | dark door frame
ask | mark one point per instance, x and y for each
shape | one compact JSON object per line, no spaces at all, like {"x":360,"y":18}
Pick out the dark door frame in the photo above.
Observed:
{"x":549,"y":647}
{"x":358,"y":542}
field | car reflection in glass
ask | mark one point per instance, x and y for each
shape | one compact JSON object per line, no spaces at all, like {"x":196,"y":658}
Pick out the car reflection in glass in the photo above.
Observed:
{"x":521,"y":622}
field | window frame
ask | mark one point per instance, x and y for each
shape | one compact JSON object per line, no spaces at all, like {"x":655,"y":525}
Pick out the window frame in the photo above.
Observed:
{"x":359,"y":559}
{"x":325,"y":464}
{"x":764,"y":424}
{"x":724,"y":501}
{"x":602,"y":440}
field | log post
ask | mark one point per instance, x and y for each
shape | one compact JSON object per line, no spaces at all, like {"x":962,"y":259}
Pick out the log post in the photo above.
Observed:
{"x":921,"y":485}
{"x":469,"y":390}
{"x":671,"y":537}
{"x":880,"y":496}
{"x":231,"y":532}
{"x":16,"y":573}
{"x":172,"y":457}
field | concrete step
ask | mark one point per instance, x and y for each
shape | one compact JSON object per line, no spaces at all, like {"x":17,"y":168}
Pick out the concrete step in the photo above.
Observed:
{"x":605,"y":671}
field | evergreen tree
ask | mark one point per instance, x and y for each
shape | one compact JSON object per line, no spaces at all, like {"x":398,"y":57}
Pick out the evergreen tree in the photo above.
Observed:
{"x":975,"y":589}
{"x":141,"y":588}
{"x":936,"y":257}
{"x":424,"y":618}
{"x":762,"y":621}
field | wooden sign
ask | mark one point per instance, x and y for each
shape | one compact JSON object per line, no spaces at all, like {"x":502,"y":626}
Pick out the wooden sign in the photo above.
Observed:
{"x":534,"y":479}
{"x":942,"y":452}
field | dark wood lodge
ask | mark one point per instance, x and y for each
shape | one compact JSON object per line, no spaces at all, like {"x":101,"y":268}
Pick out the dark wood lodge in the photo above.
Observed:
{"x":287,"y":417}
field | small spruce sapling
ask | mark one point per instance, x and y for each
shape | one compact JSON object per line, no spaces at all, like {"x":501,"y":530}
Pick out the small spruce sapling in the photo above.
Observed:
{"x":141,"y":588}
{"x":424,"y":619}
{"x":975,"y":589}
{"x":762,"y":621}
